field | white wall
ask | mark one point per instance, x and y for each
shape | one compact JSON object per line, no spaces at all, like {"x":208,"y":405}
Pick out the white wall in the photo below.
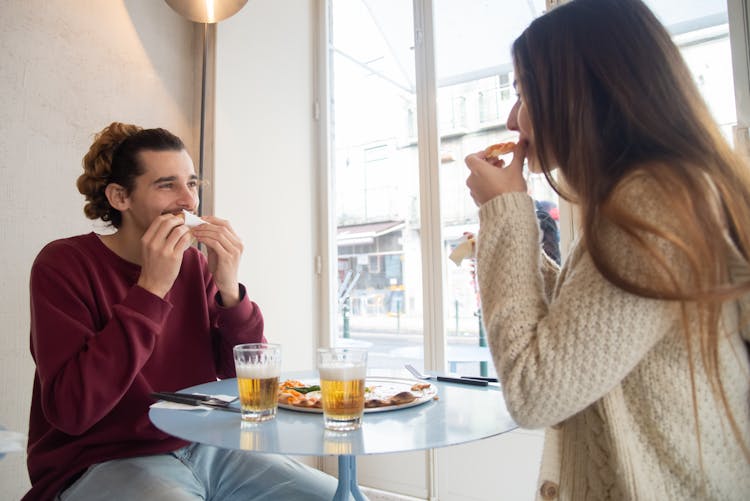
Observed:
{"x":68,"y":68}
{"x":265,"y":163}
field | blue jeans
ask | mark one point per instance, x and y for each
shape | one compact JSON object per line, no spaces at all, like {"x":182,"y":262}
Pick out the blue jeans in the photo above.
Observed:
{"x":202,"y":472}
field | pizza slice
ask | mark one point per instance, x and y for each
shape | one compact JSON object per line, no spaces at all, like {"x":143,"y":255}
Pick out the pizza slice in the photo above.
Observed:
{"x":466,"y":248}
{"x":493,"y":152}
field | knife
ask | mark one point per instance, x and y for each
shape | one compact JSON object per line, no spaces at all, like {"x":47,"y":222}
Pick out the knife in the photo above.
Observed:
{"x":196,"y":400}
{"x":446,"y":379}
{"x":462,"y":380}
{"x":482,"y":378}
{"x":197,"y":396}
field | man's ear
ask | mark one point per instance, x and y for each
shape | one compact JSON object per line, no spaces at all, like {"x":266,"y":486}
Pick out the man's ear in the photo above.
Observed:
{"x":117,"y":196}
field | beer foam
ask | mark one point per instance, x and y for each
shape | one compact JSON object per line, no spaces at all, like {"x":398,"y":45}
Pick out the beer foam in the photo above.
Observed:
{"x":258,"y":371}
{"x":342,"y":372}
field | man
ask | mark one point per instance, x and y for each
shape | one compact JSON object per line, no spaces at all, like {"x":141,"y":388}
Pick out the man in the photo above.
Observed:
{"x":115,"y":317}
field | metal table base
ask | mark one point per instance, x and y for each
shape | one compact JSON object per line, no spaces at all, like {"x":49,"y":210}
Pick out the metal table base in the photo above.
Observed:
{"x":348,"y":480}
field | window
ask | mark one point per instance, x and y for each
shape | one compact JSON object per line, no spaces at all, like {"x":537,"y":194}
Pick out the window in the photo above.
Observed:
{"x":376,"y":166}
{"x":701,"y":31}
{"x":376,"y":150}
{"x":492,"y":99}
{"x":374,"y":264}
{"x":393,"y":130}
{"x":484,"y":78}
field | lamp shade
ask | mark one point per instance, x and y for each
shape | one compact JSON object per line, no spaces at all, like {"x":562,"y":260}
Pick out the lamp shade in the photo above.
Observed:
{"x":207,"y":11}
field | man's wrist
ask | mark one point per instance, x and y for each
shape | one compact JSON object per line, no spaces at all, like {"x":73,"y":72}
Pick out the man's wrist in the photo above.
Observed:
{"x":230,"y":296}
{"x":152,"y":288}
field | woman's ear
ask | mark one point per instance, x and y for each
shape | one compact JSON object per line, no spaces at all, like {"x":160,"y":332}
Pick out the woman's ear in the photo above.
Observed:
{"x":117,"y":196}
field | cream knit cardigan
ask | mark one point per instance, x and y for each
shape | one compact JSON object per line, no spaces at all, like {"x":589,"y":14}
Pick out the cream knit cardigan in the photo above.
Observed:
{"x":605,"y":371}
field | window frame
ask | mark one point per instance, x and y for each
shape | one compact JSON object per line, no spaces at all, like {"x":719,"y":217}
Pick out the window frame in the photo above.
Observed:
{"x":434,"y":281}
{"x":428,"y":140}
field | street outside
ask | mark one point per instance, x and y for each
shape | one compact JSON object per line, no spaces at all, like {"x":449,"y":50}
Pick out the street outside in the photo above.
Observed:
{"x":395,"y":341}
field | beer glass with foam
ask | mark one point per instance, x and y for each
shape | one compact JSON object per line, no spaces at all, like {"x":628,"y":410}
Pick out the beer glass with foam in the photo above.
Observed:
{"x":342,"y":386}
{"x":258,"y":366}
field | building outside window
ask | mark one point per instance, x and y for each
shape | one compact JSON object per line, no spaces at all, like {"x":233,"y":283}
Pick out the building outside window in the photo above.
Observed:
{"x":375,"y":155}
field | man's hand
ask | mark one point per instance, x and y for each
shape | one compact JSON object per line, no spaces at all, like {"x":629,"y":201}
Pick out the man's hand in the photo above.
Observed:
{"x":224,"y":253}
{"x":488,"y":180}
{"x":162,"y":248}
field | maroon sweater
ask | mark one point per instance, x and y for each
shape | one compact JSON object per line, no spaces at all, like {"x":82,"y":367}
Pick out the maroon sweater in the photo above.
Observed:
{"x":102,"y":344}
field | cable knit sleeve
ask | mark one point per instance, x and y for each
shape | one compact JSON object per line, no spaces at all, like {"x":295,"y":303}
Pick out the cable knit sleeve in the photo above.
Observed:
{"x":555,"y":358}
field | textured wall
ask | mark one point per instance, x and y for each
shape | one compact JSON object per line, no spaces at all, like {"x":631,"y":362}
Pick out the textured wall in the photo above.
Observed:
{"x":68,"y":68}
{"x":265,"y":178}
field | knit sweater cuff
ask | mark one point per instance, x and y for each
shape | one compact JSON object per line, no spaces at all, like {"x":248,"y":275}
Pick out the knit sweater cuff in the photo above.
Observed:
{"x":513,"y":202}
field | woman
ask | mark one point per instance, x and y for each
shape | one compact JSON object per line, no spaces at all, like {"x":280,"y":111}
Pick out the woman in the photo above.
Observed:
{"x":633,"y":354}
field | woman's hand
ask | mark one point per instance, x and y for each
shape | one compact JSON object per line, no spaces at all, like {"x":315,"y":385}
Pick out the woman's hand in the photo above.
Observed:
{"x":224,"y":253}
{"x":488,"y":180}
{"x":162,"y":248}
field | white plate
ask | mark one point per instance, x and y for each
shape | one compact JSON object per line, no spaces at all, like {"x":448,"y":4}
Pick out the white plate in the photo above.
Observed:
{"x":381,"y":387}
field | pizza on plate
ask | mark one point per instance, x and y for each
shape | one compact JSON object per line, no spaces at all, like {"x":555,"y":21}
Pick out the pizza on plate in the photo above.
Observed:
{"x":295,"y":393}
{"x":298,"y":394}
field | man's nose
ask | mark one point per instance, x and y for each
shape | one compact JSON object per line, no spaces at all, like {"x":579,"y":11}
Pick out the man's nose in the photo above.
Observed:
{"x":187,"y":197}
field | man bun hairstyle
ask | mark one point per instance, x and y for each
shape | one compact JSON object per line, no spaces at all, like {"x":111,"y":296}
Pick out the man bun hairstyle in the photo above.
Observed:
{"x":113,"y":158}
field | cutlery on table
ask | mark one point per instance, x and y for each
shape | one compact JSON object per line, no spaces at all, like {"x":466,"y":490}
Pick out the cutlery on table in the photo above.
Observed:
{"x":482,"y":378}
{"x":446,"y":379}
{"x":195,"y":400}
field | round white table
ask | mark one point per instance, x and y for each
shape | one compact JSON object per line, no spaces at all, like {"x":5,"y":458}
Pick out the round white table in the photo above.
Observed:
{"x":461,"y":414}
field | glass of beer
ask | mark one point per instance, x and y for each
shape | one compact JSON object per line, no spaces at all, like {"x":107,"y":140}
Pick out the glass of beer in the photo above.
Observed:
{"x":258,"y":366}
{"x":342,"y":387}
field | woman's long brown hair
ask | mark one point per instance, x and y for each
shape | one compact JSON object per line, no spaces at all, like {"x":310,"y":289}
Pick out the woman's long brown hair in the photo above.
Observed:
{"x":609,"y":97}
